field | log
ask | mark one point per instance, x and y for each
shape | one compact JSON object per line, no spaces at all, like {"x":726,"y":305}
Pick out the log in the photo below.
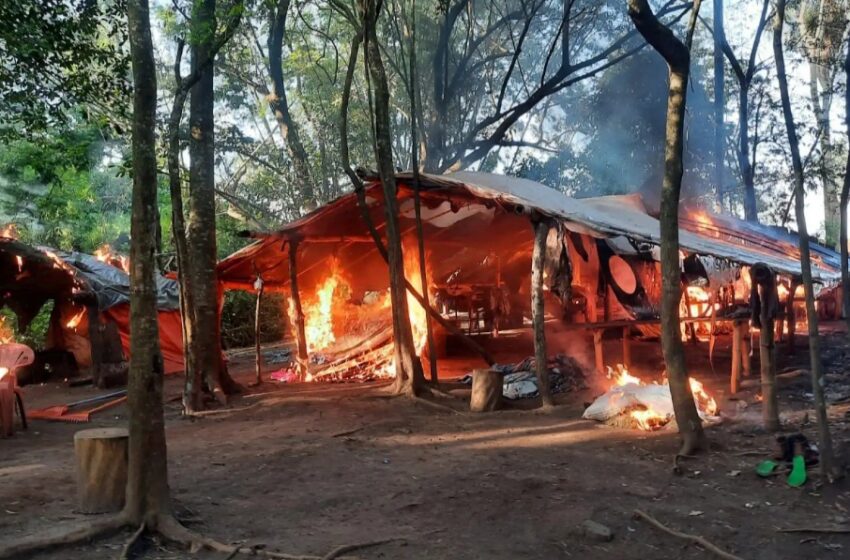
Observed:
{"x":486,"y":390}
{"x":101,"y":469}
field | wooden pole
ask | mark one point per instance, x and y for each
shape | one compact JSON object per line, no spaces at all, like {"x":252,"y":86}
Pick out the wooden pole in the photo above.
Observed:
{"x":597,"y":350}
{"x":96,"y":344}
{"x":765,"y":281}
{"x":746,"y":350}
{"x":541,"y":232}
{"x":735,"y":381}
{"x":627,"y":347}
{"x":297,"y":318}
{"x":258,"y":286}
{"x":791,"y":317}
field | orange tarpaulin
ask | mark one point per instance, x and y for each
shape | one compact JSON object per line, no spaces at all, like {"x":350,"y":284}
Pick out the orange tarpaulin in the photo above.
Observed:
{"x":170,"y":335}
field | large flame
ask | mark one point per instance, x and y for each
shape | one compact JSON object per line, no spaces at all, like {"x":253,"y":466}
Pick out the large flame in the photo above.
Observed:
{"x":649,"y":419}
{"x":319,"y":310}
{"x":418,"y":315}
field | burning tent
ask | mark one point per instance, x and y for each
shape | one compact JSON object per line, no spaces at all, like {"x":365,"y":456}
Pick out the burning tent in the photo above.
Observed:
{"x":90,"y":320}
{"x":601,"y":269}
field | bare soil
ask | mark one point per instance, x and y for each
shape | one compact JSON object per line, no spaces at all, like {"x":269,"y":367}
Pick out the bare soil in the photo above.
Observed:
{"x":303,"y":468}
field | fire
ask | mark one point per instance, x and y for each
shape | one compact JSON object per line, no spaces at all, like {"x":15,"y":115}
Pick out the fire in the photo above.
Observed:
{"x":418,"y":315}
{"x":9,"y":231}
{"x":7,"y":336}
{"x":74,"y":321}
{"x":105,"y":254}
{"x":319,"y":310}
{"x":645,"y":417}
{"x":20,"y":261}
{"x":704,"y":401}
{"x":622,"y":377}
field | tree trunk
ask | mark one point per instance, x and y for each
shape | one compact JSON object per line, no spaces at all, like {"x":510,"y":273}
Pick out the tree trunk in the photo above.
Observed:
{"x":845,"y":195}
{"x":541,"y":233}
{"x":289,"y":130}
{"x":747,"y":171}
{"x":765,"y":304}
{"x":101,"y":455}
{"x":409,"y":376}
{"x":203,"y":283}
{"x":296,"y":313}
{"x":827,"y":456}
{"x":677,"y":55}
{"x":719,"y":102}
{"x":417,"y":199}
{"x":147,"y":471}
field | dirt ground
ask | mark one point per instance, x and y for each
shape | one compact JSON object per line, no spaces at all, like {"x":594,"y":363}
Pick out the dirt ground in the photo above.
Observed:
{"x":303,"y":468}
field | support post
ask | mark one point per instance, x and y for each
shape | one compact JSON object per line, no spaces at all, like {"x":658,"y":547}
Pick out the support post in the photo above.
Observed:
{"x":96,"y":343}
{"x":541,"y":232}
{"x":296,"y":312}
{"x":791,"y":317}
{"x":746,"y":350}
{"x":597,"y":351}
{"x":258,"y":287}
{"x":735,"y":380}
{"x":764,"y":316}
{"x":627,"y":347}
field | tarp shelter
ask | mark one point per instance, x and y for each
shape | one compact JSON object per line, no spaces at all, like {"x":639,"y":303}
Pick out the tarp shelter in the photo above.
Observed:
{"x":478,"y":235}
{"x":82,"y":288}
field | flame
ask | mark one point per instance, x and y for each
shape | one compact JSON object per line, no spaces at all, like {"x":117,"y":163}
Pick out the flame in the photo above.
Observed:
{"x":318,"y":311}
{"x":649,"y":419}
{"x":105,"y":254}
{"x":74,"y":321}
{"x":20,"y":260}
{"x":622,"y":377}
{"x":417,"y":314}
{"x":9,"y":231}
{"x":704,"y":401}
{"x":7,"y":336}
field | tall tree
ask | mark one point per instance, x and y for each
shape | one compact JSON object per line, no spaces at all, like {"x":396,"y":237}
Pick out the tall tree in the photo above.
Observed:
{"x":823,"y":23}
{"x":409,"y":376}
{"x":744,"y":76}
{"x":279,"y":104}
{"x":201,"y":223}
{"x":678,"y":57}
{"x":827,"y":456}
{"x":719,"y":102}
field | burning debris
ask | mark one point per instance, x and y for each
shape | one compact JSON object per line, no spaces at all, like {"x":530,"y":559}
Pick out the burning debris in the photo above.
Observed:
{"x":7,"y":335}
{"x":633,"y":403}
{"x":105,"y":254}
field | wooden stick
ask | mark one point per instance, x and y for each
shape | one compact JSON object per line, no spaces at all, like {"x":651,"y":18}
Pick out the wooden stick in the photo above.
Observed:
{"x":597,"y":350}
{"x":831,"y":530}
{"x":696,"y":539}
{"x":627,"y":346}
{"x":340,"y":550}
{"x":259,"y":356}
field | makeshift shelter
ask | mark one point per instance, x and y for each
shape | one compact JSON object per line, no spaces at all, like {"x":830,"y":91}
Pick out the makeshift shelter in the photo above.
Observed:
{"x":601,"y":266}
{"x":90,"y":319}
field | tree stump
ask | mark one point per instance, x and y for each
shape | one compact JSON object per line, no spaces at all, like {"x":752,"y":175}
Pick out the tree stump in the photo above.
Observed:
{"x":486,"y":390}
{"x":101,"y":469}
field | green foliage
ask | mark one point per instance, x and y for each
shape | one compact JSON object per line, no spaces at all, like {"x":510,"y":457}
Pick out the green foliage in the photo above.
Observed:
{"x":35,"y":335}
{"x":237,"y":319}
{"x":55,"y":54}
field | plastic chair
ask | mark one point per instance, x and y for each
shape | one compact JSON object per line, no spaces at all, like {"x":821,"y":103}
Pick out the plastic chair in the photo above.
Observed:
{"x":12,"y":357}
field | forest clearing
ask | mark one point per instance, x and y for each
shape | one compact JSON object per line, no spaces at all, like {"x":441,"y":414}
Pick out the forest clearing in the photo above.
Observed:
{"x":318,"y":279}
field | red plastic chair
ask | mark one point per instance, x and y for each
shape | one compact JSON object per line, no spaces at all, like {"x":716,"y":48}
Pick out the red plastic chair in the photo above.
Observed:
{"x":12,"y":357}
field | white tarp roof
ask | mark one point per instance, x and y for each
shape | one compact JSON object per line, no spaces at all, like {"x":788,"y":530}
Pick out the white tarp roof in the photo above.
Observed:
{"x":616,"y":215}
